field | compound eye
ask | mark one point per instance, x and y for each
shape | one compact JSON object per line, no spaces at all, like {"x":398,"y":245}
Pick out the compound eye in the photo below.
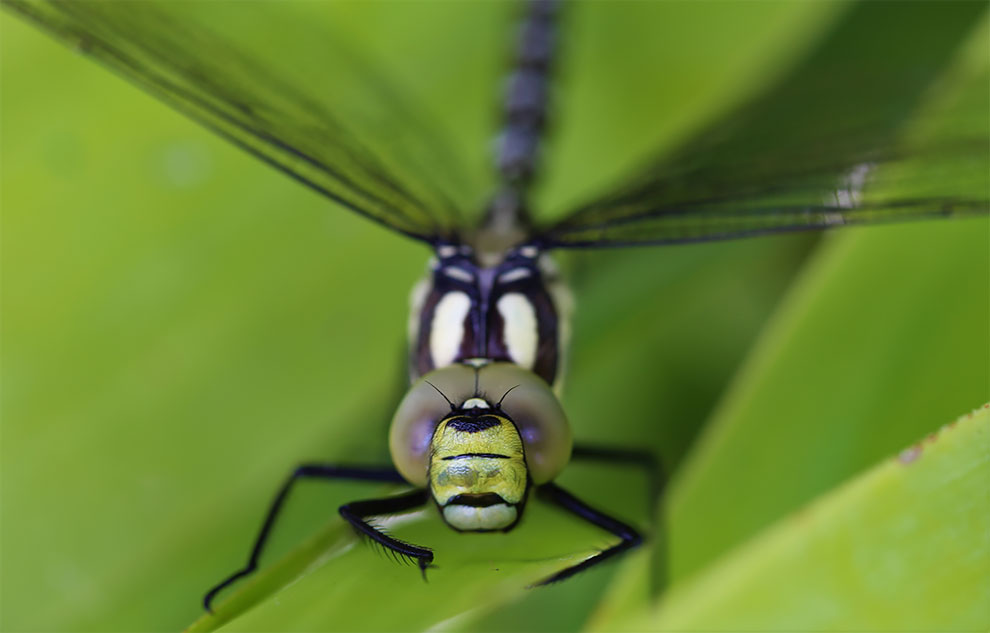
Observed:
{"x":418,"y":415}
{"x":531,"y":404}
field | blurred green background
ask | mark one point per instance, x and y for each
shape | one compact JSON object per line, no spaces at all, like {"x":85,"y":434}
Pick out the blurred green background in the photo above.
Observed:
{"x":181,"y":324}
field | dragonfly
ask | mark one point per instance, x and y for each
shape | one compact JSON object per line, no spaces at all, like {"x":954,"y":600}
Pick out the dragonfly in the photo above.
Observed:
{"x":481,"y":429}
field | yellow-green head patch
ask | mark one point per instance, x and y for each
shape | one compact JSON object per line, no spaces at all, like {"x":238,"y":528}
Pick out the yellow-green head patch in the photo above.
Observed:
{"x":478,"y":473}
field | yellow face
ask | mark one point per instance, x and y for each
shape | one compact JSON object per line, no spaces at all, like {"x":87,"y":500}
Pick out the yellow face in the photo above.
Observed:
{"x":478,"y":472}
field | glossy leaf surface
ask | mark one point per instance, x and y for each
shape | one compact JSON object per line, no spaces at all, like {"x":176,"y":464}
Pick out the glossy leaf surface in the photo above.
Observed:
{"x":904,"y":546}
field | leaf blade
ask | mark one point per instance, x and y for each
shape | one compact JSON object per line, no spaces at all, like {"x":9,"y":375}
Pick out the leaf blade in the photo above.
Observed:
{"x":905,"y":546}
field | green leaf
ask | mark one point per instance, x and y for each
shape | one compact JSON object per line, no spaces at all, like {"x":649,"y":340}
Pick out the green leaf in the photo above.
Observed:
{"x":880,"y":336}
{"x":473,"y":572}
{"x":903,"y":547}
{"x":882,"y":332}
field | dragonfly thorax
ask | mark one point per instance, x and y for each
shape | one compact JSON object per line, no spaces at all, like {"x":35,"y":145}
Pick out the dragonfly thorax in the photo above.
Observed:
{"x":514,"y":311}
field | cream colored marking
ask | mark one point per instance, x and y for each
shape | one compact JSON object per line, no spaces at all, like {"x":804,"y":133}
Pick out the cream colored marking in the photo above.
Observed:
{"x":529,"y":251}
{"x":475,"y":403}
{"x":447,"y":327}
{"x":520,"y":331}
{"x":514,"y":274}
{"x":477,"y":363}
{"x":492,"y":517}
{"x":455,"y":272}
{"x":447,"y":251}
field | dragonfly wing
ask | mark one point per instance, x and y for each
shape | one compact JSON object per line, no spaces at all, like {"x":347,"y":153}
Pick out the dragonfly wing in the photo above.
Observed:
{"x":869,"y":127}
{"x":204,"y":59}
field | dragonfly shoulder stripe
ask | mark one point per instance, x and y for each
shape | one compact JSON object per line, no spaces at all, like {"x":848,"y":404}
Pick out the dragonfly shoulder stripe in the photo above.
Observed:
{"x":520,"y":332}
{"x":448,"y":326}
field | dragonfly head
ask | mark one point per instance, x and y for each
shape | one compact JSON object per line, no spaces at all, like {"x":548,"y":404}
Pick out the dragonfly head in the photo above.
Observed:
{"x":476,"y":435}
{"x":477,"y":474}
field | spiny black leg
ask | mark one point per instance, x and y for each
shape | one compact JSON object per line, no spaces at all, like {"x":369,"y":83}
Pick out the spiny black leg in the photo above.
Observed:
{"x":629,"y":536}
{"x":305,"y":471}
{"x":356,"y":511}
{"x":656,"y":476}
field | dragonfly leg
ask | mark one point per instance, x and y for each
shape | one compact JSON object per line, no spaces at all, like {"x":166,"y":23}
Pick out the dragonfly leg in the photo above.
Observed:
{"x":305,"y":471}
{"x":357,"y":511}
{"x":656,"y":477}
{"x":630,"y":538}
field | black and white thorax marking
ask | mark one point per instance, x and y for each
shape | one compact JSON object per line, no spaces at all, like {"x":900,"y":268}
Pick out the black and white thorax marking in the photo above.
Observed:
{"x":515,"y":311}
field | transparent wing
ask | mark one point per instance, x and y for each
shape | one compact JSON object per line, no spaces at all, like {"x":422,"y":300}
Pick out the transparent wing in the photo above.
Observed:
{"x":880,"y":122}
{"x":278,"y":91}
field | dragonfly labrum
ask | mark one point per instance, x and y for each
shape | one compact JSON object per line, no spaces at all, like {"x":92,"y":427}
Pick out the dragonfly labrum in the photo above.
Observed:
{"x":481,"y":429}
